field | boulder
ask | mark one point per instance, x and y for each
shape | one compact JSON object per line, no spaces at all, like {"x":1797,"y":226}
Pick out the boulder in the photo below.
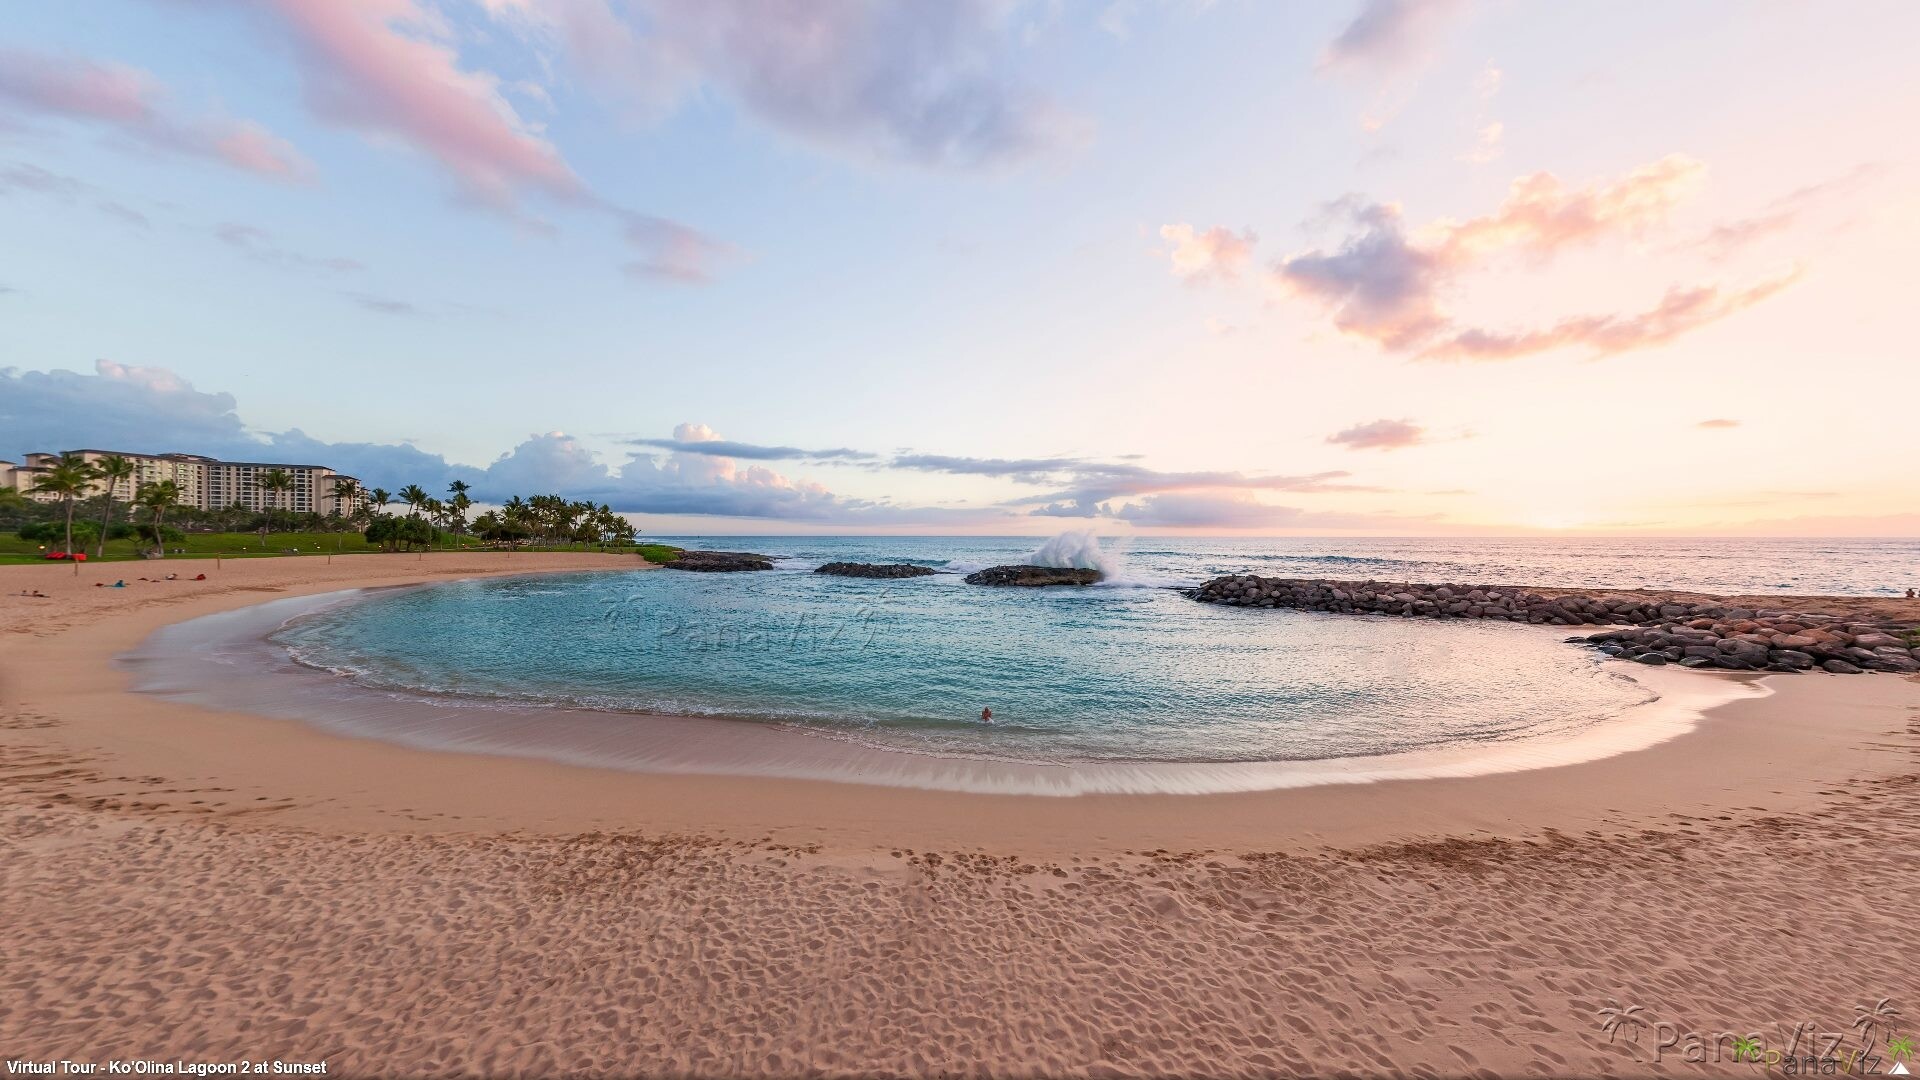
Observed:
{"x":1034,"y":576}
{"x":875,"y":570}
{"x":1840,"y":667}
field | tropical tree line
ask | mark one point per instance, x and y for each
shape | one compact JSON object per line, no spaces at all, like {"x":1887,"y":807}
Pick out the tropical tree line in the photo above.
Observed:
{"x":79,"y":485}
{"x":553,"y":520}
{"x":539,"y":520}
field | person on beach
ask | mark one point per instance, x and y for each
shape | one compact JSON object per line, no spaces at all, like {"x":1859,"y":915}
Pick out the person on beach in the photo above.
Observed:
{"x":986,"y":716}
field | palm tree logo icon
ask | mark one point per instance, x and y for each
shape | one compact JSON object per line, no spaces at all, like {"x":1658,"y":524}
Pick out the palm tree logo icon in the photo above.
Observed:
{"x":1898,"y":1047}
{"x":1867,"y":1018}
{"x":1615,"y":1019}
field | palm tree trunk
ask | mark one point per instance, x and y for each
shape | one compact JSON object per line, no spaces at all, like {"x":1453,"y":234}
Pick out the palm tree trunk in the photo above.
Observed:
{"x":69,"y":528}
{"x":100,"y":549}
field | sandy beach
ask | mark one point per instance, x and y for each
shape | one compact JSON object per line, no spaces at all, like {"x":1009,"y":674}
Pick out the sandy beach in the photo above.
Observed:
{"x":186,"y":884}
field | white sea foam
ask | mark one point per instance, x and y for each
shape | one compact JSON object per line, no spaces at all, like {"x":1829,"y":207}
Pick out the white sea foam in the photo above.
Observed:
{"x":964,"y":566}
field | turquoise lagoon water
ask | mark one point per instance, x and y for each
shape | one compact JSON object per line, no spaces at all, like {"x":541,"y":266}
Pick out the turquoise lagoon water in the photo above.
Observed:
{"x":1130,"y":671}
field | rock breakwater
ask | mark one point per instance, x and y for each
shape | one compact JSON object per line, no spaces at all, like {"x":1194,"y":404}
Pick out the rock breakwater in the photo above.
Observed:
{"x":875,"y":570}
{"x":1033,"y":576}
{"x":720,"y":562}
{"x":1713,"y":632}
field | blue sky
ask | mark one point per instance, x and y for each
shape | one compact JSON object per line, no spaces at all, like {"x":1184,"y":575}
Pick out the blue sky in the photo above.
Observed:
{"x":1403,"y":266}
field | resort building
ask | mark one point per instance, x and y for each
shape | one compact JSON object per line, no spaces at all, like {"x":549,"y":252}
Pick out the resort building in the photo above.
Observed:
{"x":205,"y":483}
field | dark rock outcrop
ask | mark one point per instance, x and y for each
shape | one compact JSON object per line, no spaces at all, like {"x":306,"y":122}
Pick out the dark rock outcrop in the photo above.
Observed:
{"x":1033,"y":576}
{"x":1654,"y":630}
{"x":875,"y":570}
{"x":720,"y":562}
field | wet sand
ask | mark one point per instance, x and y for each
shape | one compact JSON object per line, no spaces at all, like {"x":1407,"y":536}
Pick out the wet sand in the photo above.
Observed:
{"x":182,"y":882}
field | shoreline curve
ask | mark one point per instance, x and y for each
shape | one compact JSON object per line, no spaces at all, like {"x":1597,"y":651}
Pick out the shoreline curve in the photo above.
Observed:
{"x":227,"y":661}
{"x":66,"y":701}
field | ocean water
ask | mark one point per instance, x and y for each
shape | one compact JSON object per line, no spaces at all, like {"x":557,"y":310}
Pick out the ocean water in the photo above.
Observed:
{"x":1850,"y":567}
{"x":1130,"y":671}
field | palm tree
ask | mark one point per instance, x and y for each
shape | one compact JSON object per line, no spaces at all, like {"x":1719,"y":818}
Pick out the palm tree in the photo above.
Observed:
{"x":457,"y":507}
{"x":157,"y":497}
{"x":1615,"y":1019}
{"x":11,"y":499}
{"x":1900,"y":1046}
{"x":1867,"y":1018}
{"x":518,"y":515}
{"x":414,"y":496}
{"x":71,"y":479}
{"x":273,"y":481}
{"x":381,"y":497}
{"x":346,"y":493}
{"x":110,"y":469}
{"x":1746,"y":1048}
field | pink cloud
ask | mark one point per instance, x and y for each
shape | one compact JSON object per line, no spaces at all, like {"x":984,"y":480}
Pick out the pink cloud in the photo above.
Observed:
{"x":1784,"y":212}
{"x":670,"y":251}
{"x":1680,"y":311}
{"x":1541,"y":214}
{"x":1387,"y":33}
{"x":383,"y":68}
{"x":1377,"y":285}
{"x":388,"y":70}
{"x":1384,"y":283}
{"x":76,"y":87}
{"x":1380,"y":435}
{"x":1215,"y":253}
{"x":929,"y":83}
{"x":252,"y":147}
{"x":131,"y":102}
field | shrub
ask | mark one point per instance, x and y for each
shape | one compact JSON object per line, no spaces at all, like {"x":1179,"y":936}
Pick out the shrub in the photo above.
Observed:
{"x":401,"y":533}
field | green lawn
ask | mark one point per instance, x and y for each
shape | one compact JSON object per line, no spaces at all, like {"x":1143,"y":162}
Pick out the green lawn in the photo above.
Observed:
{"x":237,"y":545}
{"x":660,"y":553}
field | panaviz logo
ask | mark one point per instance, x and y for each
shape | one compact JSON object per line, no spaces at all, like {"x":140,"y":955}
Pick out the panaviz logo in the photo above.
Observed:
{"x":1869,"y":1046}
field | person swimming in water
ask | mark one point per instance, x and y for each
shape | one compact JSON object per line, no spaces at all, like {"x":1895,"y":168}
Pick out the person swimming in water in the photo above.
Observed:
{"x":986,"y":716}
